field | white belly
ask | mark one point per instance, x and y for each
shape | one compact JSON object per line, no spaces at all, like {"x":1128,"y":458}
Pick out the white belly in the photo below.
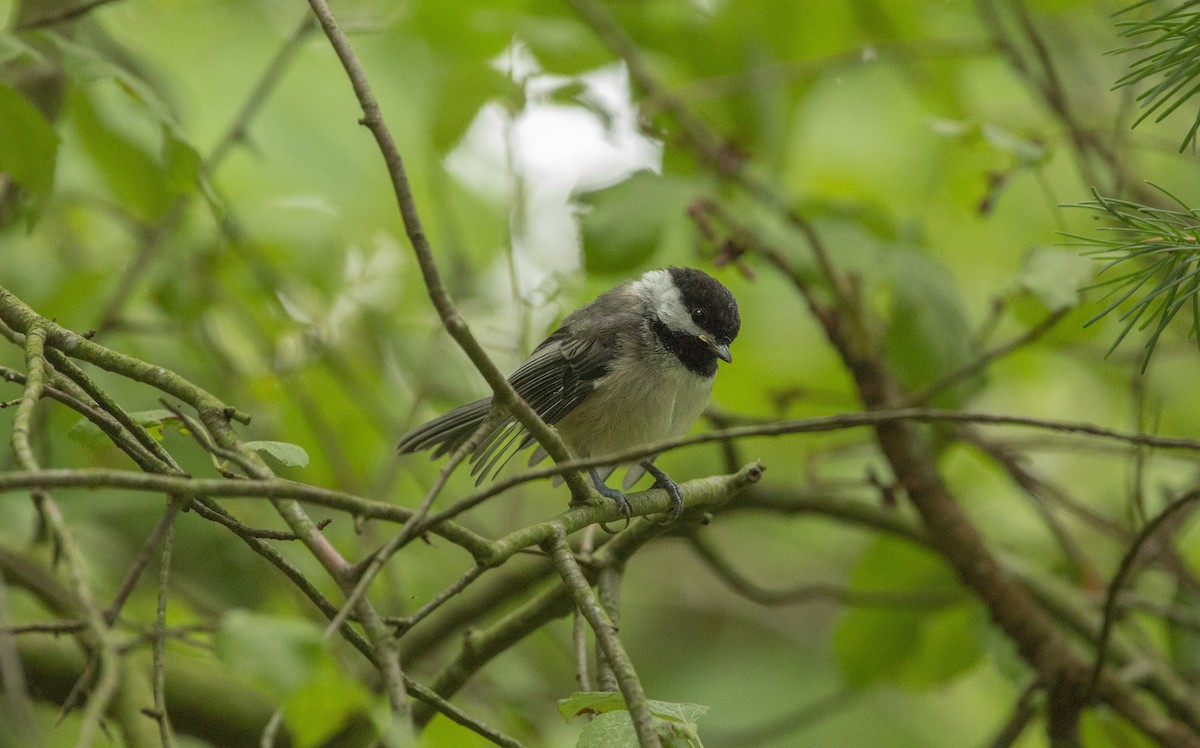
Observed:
{"x":642,"y":410}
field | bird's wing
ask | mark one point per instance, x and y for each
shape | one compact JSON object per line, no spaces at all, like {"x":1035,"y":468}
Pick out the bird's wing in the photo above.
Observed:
{"x":557,"y":377}
{"x":562,"y":371}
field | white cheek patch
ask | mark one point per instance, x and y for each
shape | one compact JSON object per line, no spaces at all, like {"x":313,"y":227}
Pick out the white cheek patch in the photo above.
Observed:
{"x":662,"y":295}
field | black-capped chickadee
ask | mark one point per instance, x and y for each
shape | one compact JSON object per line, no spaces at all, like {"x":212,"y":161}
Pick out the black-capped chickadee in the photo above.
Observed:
{"x":633,"y":367}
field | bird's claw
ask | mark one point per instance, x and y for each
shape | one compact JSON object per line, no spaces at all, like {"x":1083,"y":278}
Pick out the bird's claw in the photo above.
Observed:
{"x":664,"y":481}
{"x":614,"y":495}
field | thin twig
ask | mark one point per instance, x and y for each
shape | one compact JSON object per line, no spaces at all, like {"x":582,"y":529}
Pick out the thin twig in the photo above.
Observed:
{"x":580,"y":648}
{"x":402,"y":625}
{"x":160,"y":629}
{"x":608,"y":592}
{"x":161,"y":531}
{"x":289,"y":570}
{"x":429,"y":696}
{"x":268,"y":488}
{"x":1124,"y":571}
{"x":105,"y":649}
{"x":202,"y":437}
{"x":1039,"y":492}
{"x":606,"y":633}
{"x":51,"y":627}
{"x":579,"y":624}
{"x":376,"y":560}
{"x":216,"y":418}
{"x":12,"y":680}
{"x":1042,"y":75}
{"x":985,"y":359}
{"x":279,"y":488}
{"x":1023,"y":713}
{"x":920,"y":599}
{"x":73,"y":396}
{"x":777,"y":730}
{"x":108,"y":404}
{"x":18,"y":316}
{"x":65,"y":13}
{"x":242,"y":528}
{"x":236,"y":132}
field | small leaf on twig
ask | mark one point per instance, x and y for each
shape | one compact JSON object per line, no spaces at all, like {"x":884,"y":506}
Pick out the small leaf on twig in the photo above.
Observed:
{"x":292,"y":455}
{"x":675,"y":723}
{"x":154,"y":421}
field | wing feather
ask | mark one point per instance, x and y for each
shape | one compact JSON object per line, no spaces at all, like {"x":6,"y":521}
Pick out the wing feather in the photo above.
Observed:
{"x":554,"y":380}
{"x":447,"y":431}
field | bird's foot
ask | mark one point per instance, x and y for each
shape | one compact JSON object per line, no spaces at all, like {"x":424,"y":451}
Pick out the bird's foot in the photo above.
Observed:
{"x":663,"y":481}
{"x":613,"y":494}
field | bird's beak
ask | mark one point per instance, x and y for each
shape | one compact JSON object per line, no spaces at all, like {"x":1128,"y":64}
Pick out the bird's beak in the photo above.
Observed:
{"x":721,"y":350}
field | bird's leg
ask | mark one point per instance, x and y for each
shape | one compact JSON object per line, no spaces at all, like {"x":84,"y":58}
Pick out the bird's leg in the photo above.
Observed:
{"x":611,"y":493}
{"x":663,"y":481}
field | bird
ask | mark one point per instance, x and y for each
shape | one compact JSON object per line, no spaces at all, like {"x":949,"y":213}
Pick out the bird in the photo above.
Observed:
{"x":633,"y":367}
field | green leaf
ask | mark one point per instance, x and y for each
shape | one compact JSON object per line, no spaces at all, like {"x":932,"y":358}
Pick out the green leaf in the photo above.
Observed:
{"x":674,"y":722}
{"x":28,"y":147}
{"x":87,"y":65}
{"x":590,"y":702}
{"x":609,"y":730}
{"x":1055,"y":276}
{"x":562,"y":44}
{"x":88,"y":434}
{"x":141,"y":181}
{"x":154,"y":416}
{"x":928,"y":334}
{"x":154,"y":421}
{"x":949,"y":645}
{"x":615,"y":730}
{"x":291,"y":660}
{"x":622,"y":225}
{"x":678,"y":735}
{"x":464,"y":87}
{"x":135,"y":177}
{"x":600,"y":702}
{"x":464,"y":46}
{"x":279,"y":654}
{"x":324,"y":704}
{"x":1026,"y":152}
{"x":182,"y":161}
{"x":872,"y":644}
{"x":684,"y":712}
{"x":292,"y":455}
{"x":915,"y":647}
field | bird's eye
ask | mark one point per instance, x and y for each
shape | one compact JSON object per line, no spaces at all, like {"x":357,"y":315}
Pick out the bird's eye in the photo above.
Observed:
{"x":698,"y":315}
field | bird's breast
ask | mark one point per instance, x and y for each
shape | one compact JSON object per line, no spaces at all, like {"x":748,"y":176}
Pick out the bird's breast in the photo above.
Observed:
{"x":634,"y":406}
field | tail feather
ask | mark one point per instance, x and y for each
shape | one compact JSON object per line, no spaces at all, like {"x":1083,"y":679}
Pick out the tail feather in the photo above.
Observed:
{"x":446,"y":432}
{"x":498,"y":453}
{"x":449,"y":431}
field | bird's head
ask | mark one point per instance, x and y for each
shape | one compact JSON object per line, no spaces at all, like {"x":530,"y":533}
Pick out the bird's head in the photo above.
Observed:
{"x":693,"y":315}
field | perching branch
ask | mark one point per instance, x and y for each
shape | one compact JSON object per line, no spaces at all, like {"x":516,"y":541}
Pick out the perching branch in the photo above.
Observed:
{"x":580,"y":590}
